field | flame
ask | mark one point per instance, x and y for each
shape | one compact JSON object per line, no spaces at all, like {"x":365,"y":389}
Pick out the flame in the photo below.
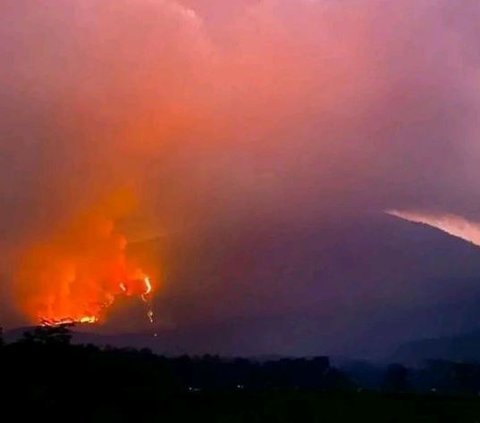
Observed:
{"x":88,"y":319}
{"x":76,"y":273}
{"x":148,"y":285}
{"x":146,"y":299}
{"x":68,"y":321}
{"x":141,"y":286}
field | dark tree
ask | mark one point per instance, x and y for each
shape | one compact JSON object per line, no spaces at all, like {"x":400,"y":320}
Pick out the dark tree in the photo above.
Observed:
{"x":396,"y":379}
{"x":49,"y":335}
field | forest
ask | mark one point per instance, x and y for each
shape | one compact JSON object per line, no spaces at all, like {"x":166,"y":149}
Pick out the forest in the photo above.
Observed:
{"x":45,"y":376}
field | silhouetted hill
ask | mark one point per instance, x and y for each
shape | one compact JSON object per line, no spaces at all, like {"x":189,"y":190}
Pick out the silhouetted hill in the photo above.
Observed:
{"x":351,"y":286}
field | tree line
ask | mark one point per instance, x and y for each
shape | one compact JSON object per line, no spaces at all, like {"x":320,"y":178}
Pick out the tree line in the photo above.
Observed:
{"x":43,"y":373}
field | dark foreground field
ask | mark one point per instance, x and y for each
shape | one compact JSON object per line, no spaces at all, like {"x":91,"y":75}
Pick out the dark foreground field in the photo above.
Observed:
{"x":45,"y":378}
{"x":302,"y":407}
{"x":330,"y":407}
{"x":251,"y":407}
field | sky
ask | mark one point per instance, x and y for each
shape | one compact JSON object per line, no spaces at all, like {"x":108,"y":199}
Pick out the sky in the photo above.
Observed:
{"x":230,"y":132}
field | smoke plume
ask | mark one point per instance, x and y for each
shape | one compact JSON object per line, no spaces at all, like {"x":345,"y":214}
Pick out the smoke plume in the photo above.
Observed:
{"x":220,"y":114}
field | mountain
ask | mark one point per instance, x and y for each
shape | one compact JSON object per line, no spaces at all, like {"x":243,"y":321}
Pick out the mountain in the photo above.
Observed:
{"x":349,"y":286}
{"x":465,"y":347}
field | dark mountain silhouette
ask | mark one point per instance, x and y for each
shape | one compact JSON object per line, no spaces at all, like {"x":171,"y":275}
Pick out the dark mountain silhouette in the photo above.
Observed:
{"x":354,"y":287}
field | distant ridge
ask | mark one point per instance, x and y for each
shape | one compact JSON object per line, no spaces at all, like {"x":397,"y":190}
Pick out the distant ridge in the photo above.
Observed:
{"x":465,"y":347}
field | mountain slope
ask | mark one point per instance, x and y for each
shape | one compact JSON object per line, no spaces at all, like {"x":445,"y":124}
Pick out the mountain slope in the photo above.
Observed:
{"x":348,"y":285}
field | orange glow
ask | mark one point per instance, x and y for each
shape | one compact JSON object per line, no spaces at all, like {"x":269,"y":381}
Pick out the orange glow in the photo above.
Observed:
{"x":88,"y":319}
{"x":148,"y":285}
{"x":172,"y":118}
{"x":69,"y":321}
{"x":74,"y":274}
{"x":150,"y":316}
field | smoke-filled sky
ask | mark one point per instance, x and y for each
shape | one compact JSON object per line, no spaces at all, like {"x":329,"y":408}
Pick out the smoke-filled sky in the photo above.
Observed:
{"x":219,"y":127}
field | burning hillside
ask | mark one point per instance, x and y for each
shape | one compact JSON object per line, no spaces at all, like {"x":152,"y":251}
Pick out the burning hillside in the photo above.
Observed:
{"x":74,"y":274}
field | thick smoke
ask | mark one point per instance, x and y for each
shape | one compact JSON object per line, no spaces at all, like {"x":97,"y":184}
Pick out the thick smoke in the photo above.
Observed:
{"x":78,"y":271}
{"x":232,"y":113}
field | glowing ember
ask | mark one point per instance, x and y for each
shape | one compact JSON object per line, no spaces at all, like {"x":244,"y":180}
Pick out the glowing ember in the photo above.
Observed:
{"x":128,"y":289}
{"x":68,"y":321}
{"x":145,"y":298}
{"x":88,"y":319}
{"x":139,"y":286}
{"x":148,"y":285}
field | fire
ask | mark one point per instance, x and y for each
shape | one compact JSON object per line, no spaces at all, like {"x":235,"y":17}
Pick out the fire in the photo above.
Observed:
{"x":141,"y":286}
{"x":88,"y":319}
{"x":147,"y":290}
{"x":76,"y":273}
{"x":148,"y":285}
{"x":68,"y":321}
